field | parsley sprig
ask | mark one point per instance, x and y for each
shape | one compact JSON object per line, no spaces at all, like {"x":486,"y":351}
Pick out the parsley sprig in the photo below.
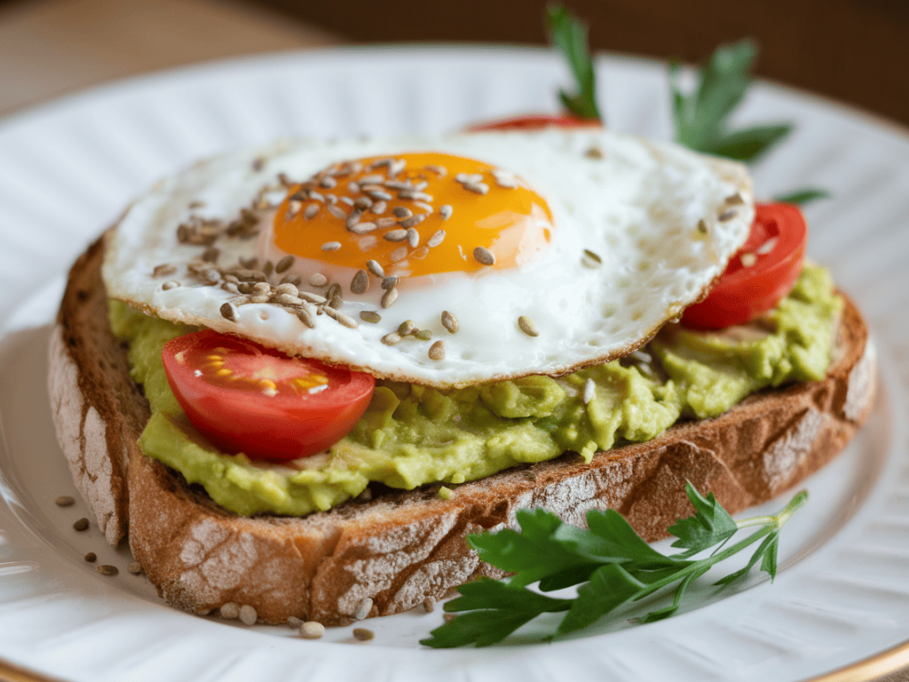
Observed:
{"x":609,"y":562}
{"x":568,"y":35}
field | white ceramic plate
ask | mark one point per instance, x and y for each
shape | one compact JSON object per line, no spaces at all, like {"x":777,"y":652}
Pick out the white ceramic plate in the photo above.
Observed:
{"x":68,"y":169}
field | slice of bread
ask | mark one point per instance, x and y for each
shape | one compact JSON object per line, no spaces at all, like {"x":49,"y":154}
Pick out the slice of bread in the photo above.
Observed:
{"x":401,"y":548}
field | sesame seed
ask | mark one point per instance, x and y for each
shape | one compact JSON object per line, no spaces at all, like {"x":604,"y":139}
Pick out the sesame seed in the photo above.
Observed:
{"x":229,"y":611}
{"x":437,"y":351}
{"x":726,"y":215}
{"x":229,"y":312}
{"x":374,"y":267}
{"x":401,"y":212}
{"x":527,"y":326}
{"x":590,"y":390}
{"x":767,"y":246}
{"x":91,"y":557}
{"x":363,"y":608}
{"x":413,"y":220}
{"x":134,"y":567}
{"x":331,"y":246}
{"x":484,"y":256}
{"x":81,"y":524}
{"x":107,"y":569}
{"x":413,"y":238}
{"x":336,"y":212}
{"x":360,"y":282}
{"x":591,"y":259}
{"x":248,"y":615}
{"x":389,"y":282}
{"x":398,"y":235}
{"x":449,"y":321}
{"x":370,"y":316}
{"x":363,"y":634}
{"x":748,"y":259}
{"x":312,"y":630}
{"x":317,"y":279}
{"x":446,"y":211}
{"x":391,"y":339}
{"x":389,"y":297}
{"x":407,"y":327}
{"x":64,"y":501}
{"x":284,"y":264}
{"x":436,"y":239}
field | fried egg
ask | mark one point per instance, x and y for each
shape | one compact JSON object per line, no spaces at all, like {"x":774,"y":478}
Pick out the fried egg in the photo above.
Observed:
{"x":444,"y":261}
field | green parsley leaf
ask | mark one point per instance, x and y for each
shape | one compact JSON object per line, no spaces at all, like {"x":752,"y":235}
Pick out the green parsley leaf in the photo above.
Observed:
{"x":568,"y":35}
{"x":802,"y":196}
{"x":611,"y":564}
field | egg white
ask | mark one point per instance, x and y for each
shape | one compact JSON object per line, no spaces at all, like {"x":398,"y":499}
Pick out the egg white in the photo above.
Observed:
{"x":635,"y":203}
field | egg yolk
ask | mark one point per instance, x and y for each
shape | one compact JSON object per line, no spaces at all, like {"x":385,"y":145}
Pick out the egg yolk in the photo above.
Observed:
{"x":414,"y":214}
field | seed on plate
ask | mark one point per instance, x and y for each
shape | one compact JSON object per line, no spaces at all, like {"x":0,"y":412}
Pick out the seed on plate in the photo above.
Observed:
{"x":337,"y":212}
{"x":331,"y":246}
{"x":591,"y":259}
{"x":64,"y":501}
{"x":484,"y":256}
{"x":449,"y":321}
{"x":229,"y":611}
{"x":360,"y":282}
{"x":312,"y":630}
{"x":91,"y":557}
{"x":396,"y":235}
{"x":413,"y":238}
{"x":437,"y":351}
{"x":107,"y":569}
{"x":726,"y":215}
{"x":590,"y":390}
{"x":528,"y":326}
{"x":363,"y":608}
{"x":134,"y":567}
{"x":284,"y":264}
{"x":391,"y":339}
{"x":363,"y":634}
{"x":389,"y":297}
{"x":401,"y":212}
{"x":81,"y":524}
{"x":413,"y":220}
{"x":389,"y":282}
{"x":375,"y":268}
{"x":748,"y":259}
{"x":229,"y":312}
{"x":436,"y":238}
{"x":370,"y":316}
{"x":248,"y":615}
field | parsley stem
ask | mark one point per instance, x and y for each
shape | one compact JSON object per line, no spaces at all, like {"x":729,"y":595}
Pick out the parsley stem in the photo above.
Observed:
{"x":780,"y":519}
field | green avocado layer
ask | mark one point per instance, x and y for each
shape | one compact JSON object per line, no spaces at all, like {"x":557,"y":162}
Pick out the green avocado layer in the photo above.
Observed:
{"x":411,"y":435}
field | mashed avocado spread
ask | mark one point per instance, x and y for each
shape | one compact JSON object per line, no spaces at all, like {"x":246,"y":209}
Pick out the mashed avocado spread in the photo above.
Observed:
{"x":411,"y":435}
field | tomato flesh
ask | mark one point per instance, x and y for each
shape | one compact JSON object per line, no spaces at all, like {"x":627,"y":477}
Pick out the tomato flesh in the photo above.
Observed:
{"x":255,"y":400}
{"x":761,"y":273}
{"x":536,"y":122}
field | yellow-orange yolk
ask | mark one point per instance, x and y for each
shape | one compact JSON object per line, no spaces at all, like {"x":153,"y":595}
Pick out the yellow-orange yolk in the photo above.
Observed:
{"x":414,"y":214}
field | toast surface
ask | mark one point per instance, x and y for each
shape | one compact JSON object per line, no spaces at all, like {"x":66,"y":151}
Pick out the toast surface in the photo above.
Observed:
{"x":400,"y":548}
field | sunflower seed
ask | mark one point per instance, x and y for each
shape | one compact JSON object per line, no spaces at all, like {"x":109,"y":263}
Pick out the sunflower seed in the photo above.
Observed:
{"x":372,"y":179}
{"x":413,"y":220}
{"x":229,"y":312}
{"x":401,"y":212}
{"x":436,"y":239}
{"x":286,"y":300}
{"x":375,"y":268}
{"x":590,"y":390}
{"x":386,"y":222}
{"x":507,"y":183}
{"x":437,"y":351}
{"x":441,"y":171}
{"x":398,"y":235}
{"x":268,"y":268}
{"x":449,"y":321}
{"x":316,"y":196}
{"x":284,"y":264}
{"x":591,"y":259}
{"x":379,"y":207}
{"x":726,"y":215}
{"x":445,"y":211}
{"x":353,"y":218}
{"x":317,"y":279}
{"x":389,"y":297}
{"x":336,"y":212}
{"x":391,"y":339}
{"x":424,"y":334}
{"x":484,"y":256}
{"x":353,"y":187}
{"x":64,"y":501}
{"x":249,"y":263}
{"x":363,"y":203}
{"x":306,"y":317}
{"x":380,"y":195}
{"x":341,"y":318}
{"x":91,"y":557}
{"x":360,"y":282}
{"x":594,"y":153}
{"x":363,"y":634}
{"x":422,"y":205}
{"x":163,"y":270}
{"x":291,"y":279}
{"x":527,"y":326}
{"x":286,"y":289}
{"x":398,"y":254}
{"x":389,"y":282}
{"x":311,"y":211}
{"x":362,"y":228}
{"x":345,"y":200}
{"x":370,"y":316}
{"x":476,"y":188}
{"x":134,"y":567}
{"x":229,"y":611}
{"x":171,"y":284}
{"x":406,"y":328}
{"x":328,"y":182}
{"x":767,"y":246}
{"x":248,"y":615}
{"x":107,"y":569}
{"x":331,"y":246}
{"x":363,"y":608}
{"x":413,"y":237}
{"x":333,"y":290}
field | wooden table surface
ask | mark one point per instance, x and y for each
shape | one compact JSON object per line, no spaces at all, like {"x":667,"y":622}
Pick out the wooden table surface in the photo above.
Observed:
{"x":49,"y":48}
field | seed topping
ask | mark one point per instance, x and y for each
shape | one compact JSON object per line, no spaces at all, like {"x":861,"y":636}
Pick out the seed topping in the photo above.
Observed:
{"x":528,"y":326}
{"x":437,"y":351}
{"x":449,"y":321}
{"x":484,"y":256}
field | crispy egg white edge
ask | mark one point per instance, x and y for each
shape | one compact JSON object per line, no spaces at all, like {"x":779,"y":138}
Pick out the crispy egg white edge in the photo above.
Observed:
{"x":672,"y":186}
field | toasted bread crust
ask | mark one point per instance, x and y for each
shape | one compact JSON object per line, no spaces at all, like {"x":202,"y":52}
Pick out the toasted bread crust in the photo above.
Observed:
{"x":404,"y":547}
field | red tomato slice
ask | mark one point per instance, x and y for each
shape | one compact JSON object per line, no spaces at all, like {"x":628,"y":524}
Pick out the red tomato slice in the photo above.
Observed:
{"x":251,"y":399}
{"x":762,"y":272}
{"x":535,"y":122}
